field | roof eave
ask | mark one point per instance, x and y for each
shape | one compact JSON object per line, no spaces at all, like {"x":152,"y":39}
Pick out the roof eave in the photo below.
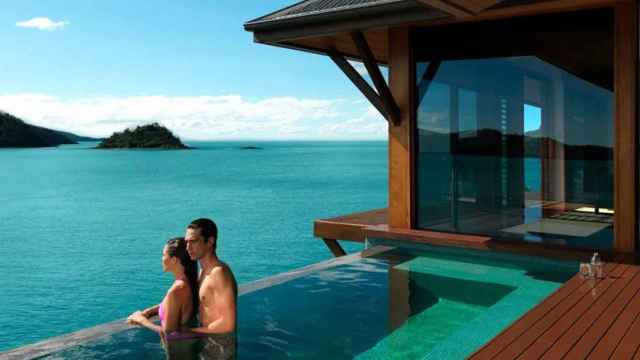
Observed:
{"x":327,"y":23}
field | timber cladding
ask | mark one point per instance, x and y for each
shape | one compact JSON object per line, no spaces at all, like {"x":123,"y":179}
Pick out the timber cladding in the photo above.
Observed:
{"x":625,"y":149}
{"x":401,"y":81}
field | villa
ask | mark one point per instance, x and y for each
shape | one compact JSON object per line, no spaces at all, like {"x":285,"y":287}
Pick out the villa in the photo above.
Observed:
{"x":512,"y":128}
{"x":512,"y":159}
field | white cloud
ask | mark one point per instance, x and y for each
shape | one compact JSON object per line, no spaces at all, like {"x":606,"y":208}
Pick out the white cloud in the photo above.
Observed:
{"x":42,"y":23}
{"x":203,"y":117}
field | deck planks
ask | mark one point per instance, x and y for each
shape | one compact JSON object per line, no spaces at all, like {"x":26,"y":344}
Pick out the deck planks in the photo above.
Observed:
{"x":568,"y":331}
{"x":595,"y":333}
{"x":491,"y":349}
{"x":556,"y":316}
{"x":585,"y":318}
{"x":629,"y":343}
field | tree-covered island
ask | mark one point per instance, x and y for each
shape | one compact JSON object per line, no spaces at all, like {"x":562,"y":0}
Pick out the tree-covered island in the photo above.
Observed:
{"x":15,"y":133}
{"x":152,"y":136}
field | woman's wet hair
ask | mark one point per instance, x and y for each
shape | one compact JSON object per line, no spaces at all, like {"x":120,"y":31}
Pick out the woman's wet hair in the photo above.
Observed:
{"x":177,"y":247}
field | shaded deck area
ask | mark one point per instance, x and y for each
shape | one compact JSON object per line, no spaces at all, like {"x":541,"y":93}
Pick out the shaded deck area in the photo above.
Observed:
{"x":583,"y":319}
{"x":373,"y":224}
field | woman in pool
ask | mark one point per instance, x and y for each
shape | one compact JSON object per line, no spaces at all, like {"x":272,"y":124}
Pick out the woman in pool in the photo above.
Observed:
{"x":181,"y":302}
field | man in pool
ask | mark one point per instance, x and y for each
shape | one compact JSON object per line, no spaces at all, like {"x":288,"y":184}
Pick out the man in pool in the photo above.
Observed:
{"x":218,"y":292}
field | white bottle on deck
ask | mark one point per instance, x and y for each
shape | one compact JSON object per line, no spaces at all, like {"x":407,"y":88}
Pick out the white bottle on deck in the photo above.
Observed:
{"x":596,"y":266}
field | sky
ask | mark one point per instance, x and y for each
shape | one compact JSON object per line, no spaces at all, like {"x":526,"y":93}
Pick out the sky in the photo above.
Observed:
{"x":94,"y":67}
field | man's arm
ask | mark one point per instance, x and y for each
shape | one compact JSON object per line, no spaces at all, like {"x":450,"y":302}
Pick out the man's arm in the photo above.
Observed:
{"x":223,"y":288}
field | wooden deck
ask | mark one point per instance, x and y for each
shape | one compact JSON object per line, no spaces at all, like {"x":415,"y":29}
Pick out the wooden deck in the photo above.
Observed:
{"x":583,"y":319}
{"x":349,"y":227}
{"x":373,"y":224}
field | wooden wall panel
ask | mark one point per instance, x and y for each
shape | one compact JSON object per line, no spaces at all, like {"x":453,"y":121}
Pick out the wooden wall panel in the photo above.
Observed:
{"x":401,"y":187}
{"x":625,"y":57}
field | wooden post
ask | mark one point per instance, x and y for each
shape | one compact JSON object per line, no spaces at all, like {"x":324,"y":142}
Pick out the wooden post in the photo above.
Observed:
{"x":625,"y":85}
{"x":401,"y":84}
{"x":335,"y":247}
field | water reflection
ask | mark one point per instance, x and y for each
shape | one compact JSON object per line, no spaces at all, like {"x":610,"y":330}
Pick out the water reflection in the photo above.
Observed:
{"x":513,"y":148}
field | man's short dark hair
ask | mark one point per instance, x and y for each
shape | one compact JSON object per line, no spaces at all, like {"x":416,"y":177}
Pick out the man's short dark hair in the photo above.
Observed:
{"x":207,"y":228}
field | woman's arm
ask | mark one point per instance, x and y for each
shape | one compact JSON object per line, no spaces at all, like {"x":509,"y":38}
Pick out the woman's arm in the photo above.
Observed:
{"x":148,"y":313}
{"x":138,"y":318}
{"x":151,"y":311}
{"x":171,"y":315}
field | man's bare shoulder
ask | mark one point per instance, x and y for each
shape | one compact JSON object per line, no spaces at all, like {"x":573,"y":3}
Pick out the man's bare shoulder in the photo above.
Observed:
{"x":219,"y":276}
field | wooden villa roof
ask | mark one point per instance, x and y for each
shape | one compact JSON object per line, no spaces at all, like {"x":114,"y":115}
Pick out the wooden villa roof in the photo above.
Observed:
{"x":315,"y":7}
{"x":317,"y":25}
{"x":359,"y":30}
{"x":321,"y":26}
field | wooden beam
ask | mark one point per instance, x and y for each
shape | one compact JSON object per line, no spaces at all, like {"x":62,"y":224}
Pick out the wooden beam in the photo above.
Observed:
{"x":376,"y":76}
{"x":625,"y":85}
{"x":537,"y":8}
{"x":335,"y":248}
{"x":349,"y":227}
{"x":450,"y":8}
{"x":428,"y":76}
{"x":476,"y":6}
{"x":358,"y":81}
{"x":401,"y":211}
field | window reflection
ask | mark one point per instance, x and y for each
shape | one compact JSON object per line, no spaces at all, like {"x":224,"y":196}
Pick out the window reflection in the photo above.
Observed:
{"x":515,"y":148}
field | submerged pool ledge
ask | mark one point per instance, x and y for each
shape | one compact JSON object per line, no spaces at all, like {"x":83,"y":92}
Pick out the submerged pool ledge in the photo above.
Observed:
{"x":62,"y":342}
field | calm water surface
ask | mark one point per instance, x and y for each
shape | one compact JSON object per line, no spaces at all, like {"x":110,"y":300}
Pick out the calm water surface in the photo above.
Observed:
{"x":82,"y":230}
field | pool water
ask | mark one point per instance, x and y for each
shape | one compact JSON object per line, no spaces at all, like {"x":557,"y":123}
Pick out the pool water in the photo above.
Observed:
{"x":400,"y":303}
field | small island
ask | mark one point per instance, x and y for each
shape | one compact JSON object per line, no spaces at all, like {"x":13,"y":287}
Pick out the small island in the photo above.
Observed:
{"x":250,"y":147}
{"x":152,"y":136}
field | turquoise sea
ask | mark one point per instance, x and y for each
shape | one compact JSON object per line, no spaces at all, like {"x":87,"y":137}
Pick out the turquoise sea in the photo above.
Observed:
{"x":82,"y":230}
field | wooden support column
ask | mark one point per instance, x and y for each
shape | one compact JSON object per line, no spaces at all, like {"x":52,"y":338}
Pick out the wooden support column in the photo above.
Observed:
{"x":401,"y":84}
{"x":625,"y":85}
{"x":335,"y":247}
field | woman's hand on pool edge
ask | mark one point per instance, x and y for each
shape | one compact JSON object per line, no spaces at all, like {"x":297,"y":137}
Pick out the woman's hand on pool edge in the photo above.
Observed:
{"x":136,"y":318}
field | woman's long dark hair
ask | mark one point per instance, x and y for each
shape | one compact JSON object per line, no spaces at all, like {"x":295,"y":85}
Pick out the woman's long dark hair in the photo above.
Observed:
{"x":177,"y":247}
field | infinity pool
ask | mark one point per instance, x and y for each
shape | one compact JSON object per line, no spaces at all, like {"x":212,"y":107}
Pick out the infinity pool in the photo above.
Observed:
{"x":388,"y":303}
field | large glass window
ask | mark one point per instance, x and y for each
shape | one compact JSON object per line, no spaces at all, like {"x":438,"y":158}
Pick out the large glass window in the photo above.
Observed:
{"x":515,"y":138}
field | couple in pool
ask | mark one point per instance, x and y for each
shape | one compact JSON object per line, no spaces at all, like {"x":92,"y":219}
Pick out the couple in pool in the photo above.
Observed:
{"x":210,"y":296}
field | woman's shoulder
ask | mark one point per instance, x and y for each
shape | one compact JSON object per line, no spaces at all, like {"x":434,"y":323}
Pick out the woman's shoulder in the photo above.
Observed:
{"x":179,"y":287}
